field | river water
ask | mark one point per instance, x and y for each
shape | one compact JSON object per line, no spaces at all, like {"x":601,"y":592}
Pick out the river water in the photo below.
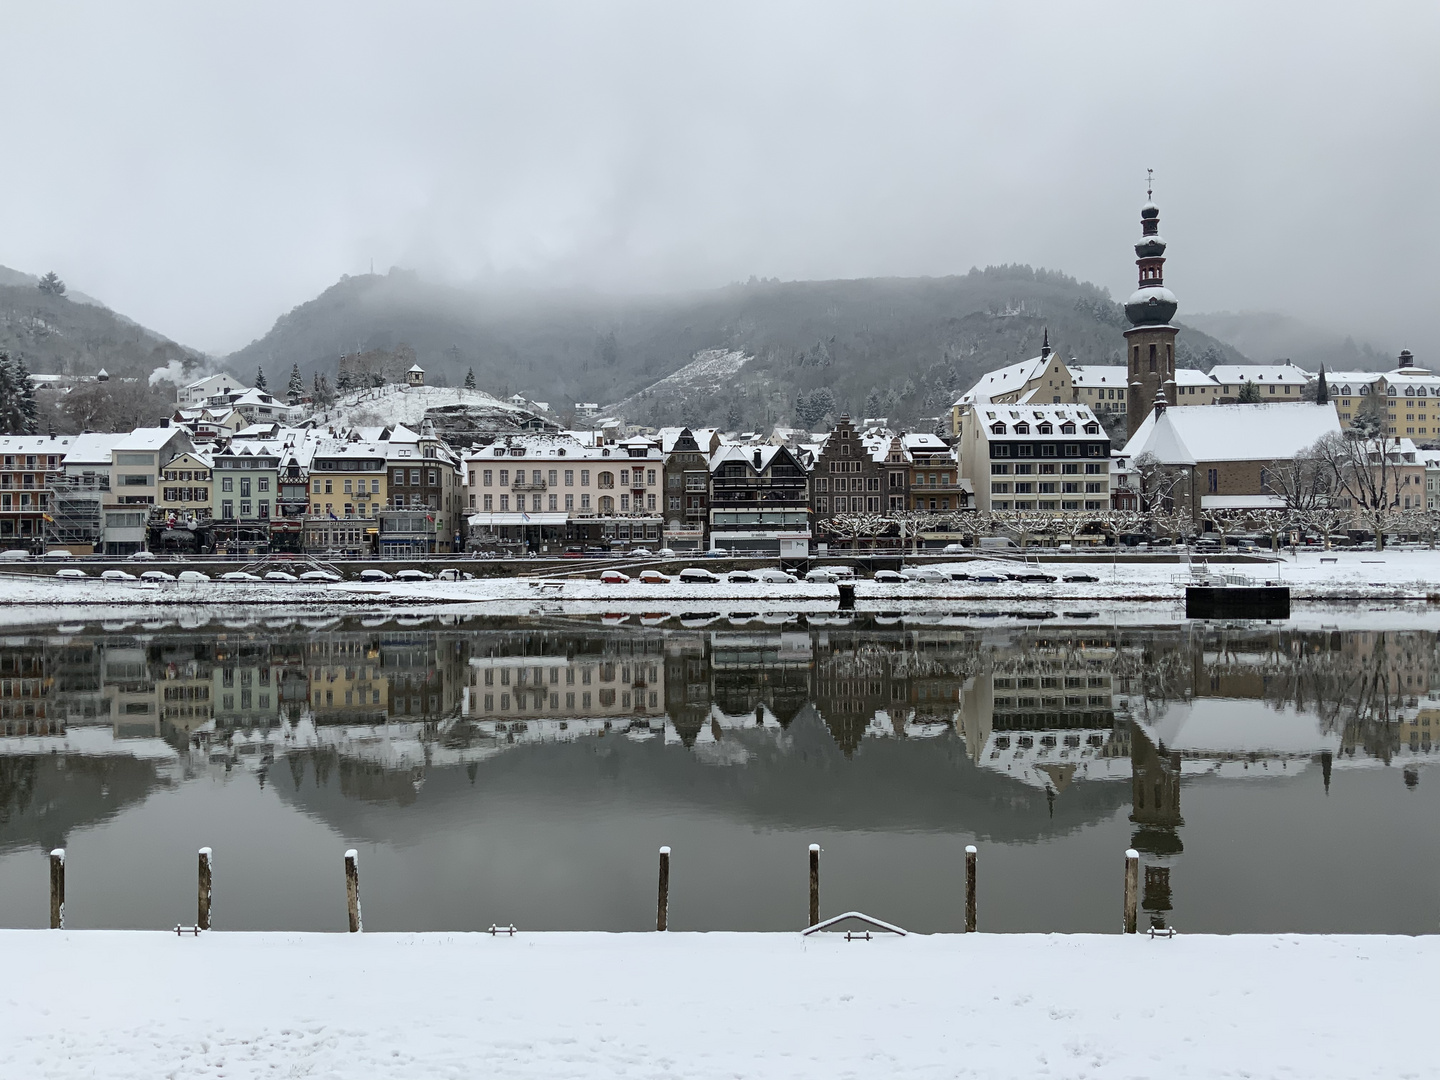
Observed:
{"x":526,"y":770}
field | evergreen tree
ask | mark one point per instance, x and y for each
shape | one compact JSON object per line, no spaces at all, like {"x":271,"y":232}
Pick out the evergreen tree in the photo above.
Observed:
{"x":27,"y":415}
{"x":9,"y":399}
{"x":1249,"y":394}
{"x":296,"y":390}
{"x":260,"y":383}
{"x":51,"y":285}
{"x":470,"y":379}
{"x":1322,"y":389}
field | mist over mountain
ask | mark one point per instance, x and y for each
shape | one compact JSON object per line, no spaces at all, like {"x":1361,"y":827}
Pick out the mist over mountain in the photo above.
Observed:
{"x":1267,"y":337}
{"x":897,"y":347}
{"x":76,"y":334}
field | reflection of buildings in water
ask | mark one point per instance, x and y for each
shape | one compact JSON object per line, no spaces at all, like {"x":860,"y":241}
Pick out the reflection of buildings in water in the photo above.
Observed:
{"x":345,"y":679}
{"x":25,"y":685}
{"x":520,"y":687}
{"x":1155,"y":809}
{"x":426,"y":673}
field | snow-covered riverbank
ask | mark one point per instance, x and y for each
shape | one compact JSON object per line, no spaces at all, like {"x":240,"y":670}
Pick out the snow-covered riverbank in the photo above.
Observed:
{"x":112,"y":1005}
{"x":1311,"y":576}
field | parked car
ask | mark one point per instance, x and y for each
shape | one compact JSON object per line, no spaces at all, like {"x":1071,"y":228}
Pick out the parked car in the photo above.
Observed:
{"x":193,"y":575}
{"x":777,"y":577}
{"x":614,"y":577}
{"x":1031,"y":577}
{"x":143,"y":556}
{"x":717,"y":553}
{"x":953,"y":549}
{"x":239,"y":575}
{"x":652,"y":577}
{"x":280,"y":576}
{"x":320,"y":577}
{"x":641,"y":553}
{"x":71,"y":572}
{"x":923,"y":573}
{"x":741,"y":577}
{"x":15,"y":555}
{"x":666,"y":553}
{"x":117,"y":575}
{"x":413,"y":574}
{"x":156,"y":575}
{"x":1086,"y":578}
{"x":374,"y":573}
{"x":888,"y":577}
{"x":695,"y":575}
{"x":451,"y":574}
{"x":824,"y":575}
{"x":59,"y":553}
{"x":998,"y":543}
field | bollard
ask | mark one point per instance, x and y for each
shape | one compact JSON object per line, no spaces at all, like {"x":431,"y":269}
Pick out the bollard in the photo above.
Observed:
{"x":1132,"y":888}
{"x":662,"y":910}
{"x":970,"y":889}
{"x":202,"y":909}
{"x":57,"y":889}
{"x":814,"y":884}
{"x":352,"y":888}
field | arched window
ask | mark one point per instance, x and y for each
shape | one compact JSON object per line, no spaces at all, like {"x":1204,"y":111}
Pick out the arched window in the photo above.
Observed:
{"x":607,"y":504}
{"x":605,"y":480}
{"x":1152,"y":357}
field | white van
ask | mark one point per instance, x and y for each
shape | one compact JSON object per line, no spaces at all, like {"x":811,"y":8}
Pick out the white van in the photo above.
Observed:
{"x":998,"y":543}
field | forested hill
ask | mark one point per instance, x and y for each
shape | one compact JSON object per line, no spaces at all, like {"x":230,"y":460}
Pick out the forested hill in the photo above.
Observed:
{"x":75,"y":335}
{"x":900,"y":347}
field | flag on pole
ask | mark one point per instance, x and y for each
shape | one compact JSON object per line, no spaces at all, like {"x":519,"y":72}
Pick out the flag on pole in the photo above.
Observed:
{"x":524,"y":516}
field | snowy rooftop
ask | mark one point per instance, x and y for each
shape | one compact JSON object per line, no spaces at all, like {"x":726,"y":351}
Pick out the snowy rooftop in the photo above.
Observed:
{"x":1284,"y":374}
{"x":148,"y":438}
{"x":1188,"y":435}
{"x":1091,"y":375}
{"x":1009,"y":380}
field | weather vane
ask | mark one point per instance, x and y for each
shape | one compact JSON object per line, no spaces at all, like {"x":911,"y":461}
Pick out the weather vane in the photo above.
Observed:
{"x":1149,"y":183}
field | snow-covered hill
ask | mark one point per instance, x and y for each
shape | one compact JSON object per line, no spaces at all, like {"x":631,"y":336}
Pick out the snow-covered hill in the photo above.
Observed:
{"x":708,"y":372}
{"x":387,"y":405}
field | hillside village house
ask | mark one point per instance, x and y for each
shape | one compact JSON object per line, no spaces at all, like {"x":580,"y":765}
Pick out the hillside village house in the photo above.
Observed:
{"x":1221,"y":454}
{"x":245,"y":490}
{"x":851,"y":475}
{"x":1051,"y":458}
{"x":935,"y":480}
{"x":1102,"y":388}
{"x":186,"y":490}
{"x":202,"y":390}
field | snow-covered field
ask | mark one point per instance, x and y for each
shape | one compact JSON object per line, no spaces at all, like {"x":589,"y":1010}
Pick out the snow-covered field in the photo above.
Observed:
{"x":116,"y":1004}
{"x":1352,"y":575}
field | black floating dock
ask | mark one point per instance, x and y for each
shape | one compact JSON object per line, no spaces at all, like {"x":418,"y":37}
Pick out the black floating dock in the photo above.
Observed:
{"x":1237,"y":602}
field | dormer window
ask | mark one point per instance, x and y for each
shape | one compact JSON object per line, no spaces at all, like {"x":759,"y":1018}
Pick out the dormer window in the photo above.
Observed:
{"x":997,"y":429}
{"x":1022,"y":428}
{"x":1067,"y":429}
{"x":1092,"y":429}
{"x":1044,"y":429}
{"x":499,"y":451}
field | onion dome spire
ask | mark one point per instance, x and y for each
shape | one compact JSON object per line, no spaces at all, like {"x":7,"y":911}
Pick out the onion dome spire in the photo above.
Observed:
{"x":1151,"y":304}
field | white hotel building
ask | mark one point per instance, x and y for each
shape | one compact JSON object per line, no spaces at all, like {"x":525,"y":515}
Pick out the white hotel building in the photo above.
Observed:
{"x":1050,"y":458}
{"x":546,"y":492}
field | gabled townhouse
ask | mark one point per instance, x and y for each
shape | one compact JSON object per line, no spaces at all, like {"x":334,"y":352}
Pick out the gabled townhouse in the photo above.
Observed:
{"x":760,"y":500}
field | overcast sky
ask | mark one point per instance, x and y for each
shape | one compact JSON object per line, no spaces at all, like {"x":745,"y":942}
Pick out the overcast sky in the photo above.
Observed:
{"x":204,"y":168}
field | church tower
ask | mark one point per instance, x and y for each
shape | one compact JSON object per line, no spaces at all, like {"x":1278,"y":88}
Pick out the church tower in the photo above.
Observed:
{"x":1150,"y":341}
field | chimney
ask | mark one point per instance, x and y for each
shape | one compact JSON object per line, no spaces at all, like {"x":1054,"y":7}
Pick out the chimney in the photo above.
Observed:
{"x":757,"y":459}
{"x":164,"y":421}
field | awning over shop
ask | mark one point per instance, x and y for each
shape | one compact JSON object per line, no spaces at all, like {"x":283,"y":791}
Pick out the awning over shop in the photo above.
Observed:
{"x":487,"y":521}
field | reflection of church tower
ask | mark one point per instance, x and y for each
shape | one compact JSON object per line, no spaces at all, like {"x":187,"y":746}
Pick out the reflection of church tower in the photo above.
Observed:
{"x":1155,"y":797}
{"x":1150,"y":341}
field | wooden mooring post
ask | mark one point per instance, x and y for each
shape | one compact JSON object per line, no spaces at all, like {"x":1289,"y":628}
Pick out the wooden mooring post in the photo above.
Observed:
{"x":202,"y":903}
{"x":57,"y":889}
{"x":814,"y":884}
{"x":970,"y":889}
{"x":1132,"y":889}
{"x":352,"y":888}
{"x":662,"y":909}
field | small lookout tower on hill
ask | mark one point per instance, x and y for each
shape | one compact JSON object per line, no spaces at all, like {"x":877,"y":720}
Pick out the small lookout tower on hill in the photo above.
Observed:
{"x":415,"y":376}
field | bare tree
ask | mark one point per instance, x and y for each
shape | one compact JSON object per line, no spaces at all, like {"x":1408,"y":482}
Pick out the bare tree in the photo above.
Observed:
{"x":1328,"y":521}
{"x":912,"y":523}
{"x":1364,"y":463}
{"x":975,"y":524}
{"x":1425,"y":520}
{"x":1273,"y":523}
{"x":853,"y":527}
{"x":1225,"y":522}
{"x":1302,"y":483}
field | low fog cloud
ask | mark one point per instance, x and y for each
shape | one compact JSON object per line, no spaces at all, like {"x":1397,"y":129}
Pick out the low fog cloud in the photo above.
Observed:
{"x":203,"y":168}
